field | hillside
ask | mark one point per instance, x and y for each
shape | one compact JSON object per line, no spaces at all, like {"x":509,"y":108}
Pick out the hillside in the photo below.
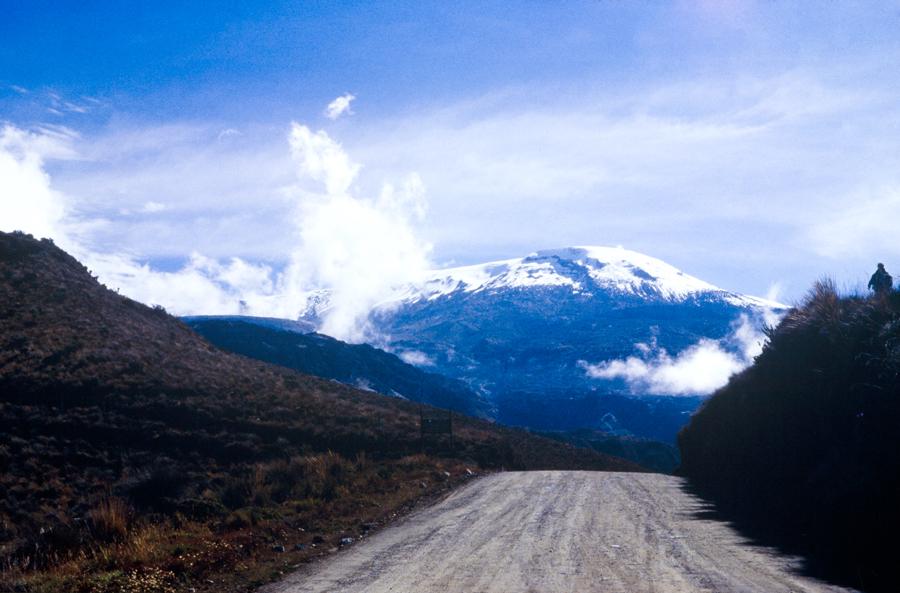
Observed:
{"x":521,"y":330}
{"x":136,"y":456}
{"x":803,"y":447}
{"x":359,"y":365}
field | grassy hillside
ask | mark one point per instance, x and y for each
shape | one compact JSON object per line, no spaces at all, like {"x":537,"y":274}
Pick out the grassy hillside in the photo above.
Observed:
{"x":135,"y":456}
{"x":805,"y":445}
{"x":354,"y":364}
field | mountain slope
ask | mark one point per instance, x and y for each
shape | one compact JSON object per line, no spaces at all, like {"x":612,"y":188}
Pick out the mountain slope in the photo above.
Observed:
{"x":803,"y":446}
{"x":522,"y":330}
{"x":359,"y":365}
{"x":134,"y":450}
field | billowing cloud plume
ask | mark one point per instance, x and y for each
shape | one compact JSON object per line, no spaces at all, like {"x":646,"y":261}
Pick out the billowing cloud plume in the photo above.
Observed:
{"x":322,"y":159}
{"x":700,"y":369}
{"x":357,"y":250}
{"x":339,"y":106}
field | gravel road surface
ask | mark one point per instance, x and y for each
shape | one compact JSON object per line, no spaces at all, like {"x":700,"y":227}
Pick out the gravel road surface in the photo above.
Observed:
{"x":557,"y":532}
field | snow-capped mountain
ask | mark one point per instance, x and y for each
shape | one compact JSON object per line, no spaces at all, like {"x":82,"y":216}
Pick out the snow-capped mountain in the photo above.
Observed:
{"x":520,"y":330}
{"x":612,"y":270}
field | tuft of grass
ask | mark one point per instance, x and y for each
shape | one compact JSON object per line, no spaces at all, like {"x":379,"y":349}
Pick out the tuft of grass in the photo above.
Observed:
{"x":109,"y":520}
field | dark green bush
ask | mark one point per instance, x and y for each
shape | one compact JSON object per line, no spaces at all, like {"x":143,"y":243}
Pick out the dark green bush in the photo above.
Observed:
{"x":805,"y":444}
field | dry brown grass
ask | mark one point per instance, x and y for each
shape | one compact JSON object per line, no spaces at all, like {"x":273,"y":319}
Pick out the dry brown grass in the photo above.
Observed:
{"x":109,"y":520}
{"x":321,"y":499}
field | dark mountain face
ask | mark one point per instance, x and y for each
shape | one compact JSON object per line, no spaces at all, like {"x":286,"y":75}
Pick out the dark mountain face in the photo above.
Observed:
{"x":649,"y":417}
{"x":532,"y":339}
{"x":359,"y":365}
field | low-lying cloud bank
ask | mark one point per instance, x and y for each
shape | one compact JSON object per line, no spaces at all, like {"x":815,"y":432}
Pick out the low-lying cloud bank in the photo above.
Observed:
{"x":357,"y":249}
{"x":699,"y":369}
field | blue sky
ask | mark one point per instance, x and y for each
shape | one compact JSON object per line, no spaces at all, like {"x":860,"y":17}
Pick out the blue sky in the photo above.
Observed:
{"x":754,"y":145}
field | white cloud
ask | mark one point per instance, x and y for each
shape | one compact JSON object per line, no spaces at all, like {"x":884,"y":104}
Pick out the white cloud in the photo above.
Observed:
{"x":776,"y":289}
{"x":358,"y":250}
{"x":339,"y":106}
{"x":202,"y":286}
{"x":867,"y":224}
{"x":153,"y":207}
{"x":228,"y":133}
{"x":756,"y":170}
{"x":416,"y":358}
{"x":74,"y":108}
{"x":27,"y":202}
{"x":322,"y":159}
{"x":698,"y":370}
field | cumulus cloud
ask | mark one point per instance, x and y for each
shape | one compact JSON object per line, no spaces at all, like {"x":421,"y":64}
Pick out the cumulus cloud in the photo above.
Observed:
{"x":200,"y":287}
{"x":339,"y":106}
{"x":322,"y":159}
{"x":353,"y":250}
{"x":27,"y":202}
{"x":700,"y":369}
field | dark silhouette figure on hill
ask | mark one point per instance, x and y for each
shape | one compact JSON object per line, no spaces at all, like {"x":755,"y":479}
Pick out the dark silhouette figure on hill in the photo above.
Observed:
{"x":881,"y":282}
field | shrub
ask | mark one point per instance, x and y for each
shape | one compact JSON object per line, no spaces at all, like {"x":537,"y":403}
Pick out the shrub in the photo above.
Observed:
{"x":157,"y":489}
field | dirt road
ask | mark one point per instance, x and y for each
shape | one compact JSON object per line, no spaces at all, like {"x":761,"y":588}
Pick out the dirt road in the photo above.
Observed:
{"x":556,"y":532}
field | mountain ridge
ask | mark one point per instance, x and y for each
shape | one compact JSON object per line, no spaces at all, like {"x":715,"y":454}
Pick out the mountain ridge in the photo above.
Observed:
{"x":580,"y":268}
{"x":358,"y":365}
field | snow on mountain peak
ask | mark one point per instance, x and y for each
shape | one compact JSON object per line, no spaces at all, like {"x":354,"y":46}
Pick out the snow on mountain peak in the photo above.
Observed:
{"x":581,"y":268}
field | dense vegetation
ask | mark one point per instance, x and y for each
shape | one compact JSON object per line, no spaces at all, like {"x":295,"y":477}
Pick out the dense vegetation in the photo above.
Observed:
{"x":359,"y":365}
{"x":805,"y":445}
{"x":135,"y":456}
{"x":655,"y":455}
